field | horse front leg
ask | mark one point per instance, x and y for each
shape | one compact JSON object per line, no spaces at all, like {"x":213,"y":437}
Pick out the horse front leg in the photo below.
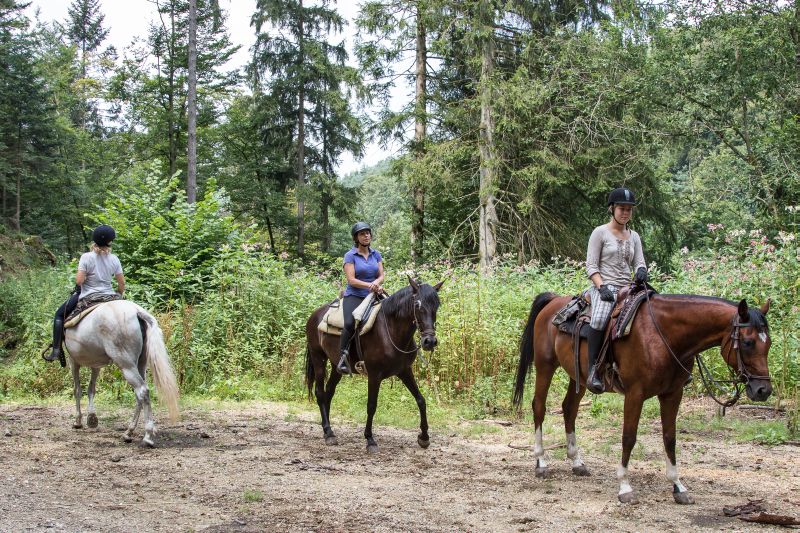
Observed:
{"x":669,"y":415}
{"x":630,"y":427}
{"x":373,"y":388}
{"x":407,"y":377}
{"x":77,"y":392}
{"x":91,"y":418}
{"x":570,"y":407}
{"x":544,"y":375}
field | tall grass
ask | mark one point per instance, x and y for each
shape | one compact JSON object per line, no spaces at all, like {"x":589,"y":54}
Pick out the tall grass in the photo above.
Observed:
{"x":246,"y":338}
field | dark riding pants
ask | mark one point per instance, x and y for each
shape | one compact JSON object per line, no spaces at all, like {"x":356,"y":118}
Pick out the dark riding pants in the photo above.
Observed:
{"x":62,"y":313}
{"x":349,"y":304}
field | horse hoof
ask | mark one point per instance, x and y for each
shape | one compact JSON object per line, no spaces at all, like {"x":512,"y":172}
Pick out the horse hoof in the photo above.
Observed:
{"x":127,"y":438}
{"x":580,"y":470}
{"x":91,"y":420}
{"x":628,"y":497}
{"x":423,"y":443}
{"x":331,"y":440}
{"x":542,"y":472}
{"x":372,"y":448}
{"x":77,"y":425}
{"x":148,"y":442}
{"x":683,"y":498}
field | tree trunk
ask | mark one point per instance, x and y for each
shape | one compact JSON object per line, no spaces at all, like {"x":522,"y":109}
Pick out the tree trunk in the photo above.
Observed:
{"x":301,"y":152}
{"x":420,"y":130}
{"x":325,"y":206}
{"x":487,"y":231}
{"x":191,"y":173}
{"x":171,"y":129}
{"x":17,"y":213}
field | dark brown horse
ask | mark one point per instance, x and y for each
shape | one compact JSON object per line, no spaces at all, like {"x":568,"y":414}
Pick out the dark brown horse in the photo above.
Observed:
{"x":653,"y":360}
{"x":388,"y":350}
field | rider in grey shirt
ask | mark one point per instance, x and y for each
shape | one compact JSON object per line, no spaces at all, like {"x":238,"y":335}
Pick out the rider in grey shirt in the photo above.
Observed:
{"x":613,"y":254}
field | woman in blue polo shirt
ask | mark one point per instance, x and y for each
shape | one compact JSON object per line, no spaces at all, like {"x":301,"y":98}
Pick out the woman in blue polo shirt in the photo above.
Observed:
{"x":363,"y":268}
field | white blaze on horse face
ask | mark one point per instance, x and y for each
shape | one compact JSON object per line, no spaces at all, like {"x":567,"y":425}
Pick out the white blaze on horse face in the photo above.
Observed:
{"x":672,"y":475}
{"x":624,"y":483}
{"x":762,"y":336}
{"x":538,"y":449}
{"x":573,"y":452}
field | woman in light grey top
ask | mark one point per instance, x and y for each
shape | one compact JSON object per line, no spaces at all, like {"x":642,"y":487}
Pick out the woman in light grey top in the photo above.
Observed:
{"x":95,"y":271}
{"x":613,"y":254}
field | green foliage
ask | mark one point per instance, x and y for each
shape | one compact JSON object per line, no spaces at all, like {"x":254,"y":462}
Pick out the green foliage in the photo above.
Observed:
{"x":166,"y":245}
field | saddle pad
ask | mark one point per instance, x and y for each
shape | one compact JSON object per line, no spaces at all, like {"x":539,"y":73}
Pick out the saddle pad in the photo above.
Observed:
{"x":626,"y":312}
{"x":333,"y":320}
{"x":74,"y":320}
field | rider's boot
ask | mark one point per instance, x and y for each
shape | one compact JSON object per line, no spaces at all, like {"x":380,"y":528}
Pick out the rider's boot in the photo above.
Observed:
{"x":58,"y":333}
{"x":595,"y":342}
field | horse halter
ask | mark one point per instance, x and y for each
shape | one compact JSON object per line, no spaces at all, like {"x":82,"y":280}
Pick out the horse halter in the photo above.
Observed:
{"x":742,"y":374}
{"x":417,"y":303}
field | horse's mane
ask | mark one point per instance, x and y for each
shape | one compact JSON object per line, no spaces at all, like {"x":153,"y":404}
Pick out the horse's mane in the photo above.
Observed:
{"x":756,"y":317}
{"x":401,"y":303}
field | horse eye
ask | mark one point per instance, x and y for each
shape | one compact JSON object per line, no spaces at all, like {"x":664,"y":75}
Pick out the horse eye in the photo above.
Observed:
{"x":748,"y":343}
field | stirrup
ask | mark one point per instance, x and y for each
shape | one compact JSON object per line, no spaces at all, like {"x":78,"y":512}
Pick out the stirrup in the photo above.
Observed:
{"x":361,"y":368}
{"x":343,"y":367}
{"x":49,"y":358}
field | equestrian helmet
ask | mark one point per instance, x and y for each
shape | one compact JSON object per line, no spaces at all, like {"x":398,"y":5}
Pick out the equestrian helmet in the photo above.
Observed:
{"x":621,"y":195}
{"x":359,"y":226}
{"x":103,"y":235}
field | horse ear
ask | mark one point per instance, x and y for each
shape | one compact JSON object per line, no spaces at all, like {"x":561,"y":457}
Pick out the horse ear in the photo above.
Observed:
{"x":743,"y":314}
{"x":765,"y":307}
{"x":438,"y":286}
{"x":414,"y":284}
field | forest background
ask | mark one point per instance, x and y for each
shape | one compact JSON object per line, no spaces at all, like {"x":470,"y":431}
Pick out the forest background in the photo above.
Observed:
{"x":520,"y":117}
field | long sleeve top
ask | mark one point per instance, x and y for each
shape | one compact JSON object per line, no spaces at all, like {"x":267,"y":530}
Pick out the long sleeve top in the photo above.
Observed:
{"x":615,"y":259}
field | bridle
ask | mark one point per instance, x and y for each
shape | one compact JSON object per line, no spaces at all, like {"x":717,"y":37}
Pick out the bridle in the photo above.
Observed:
{"x":417,"y":304}
{"x":739,"y":379}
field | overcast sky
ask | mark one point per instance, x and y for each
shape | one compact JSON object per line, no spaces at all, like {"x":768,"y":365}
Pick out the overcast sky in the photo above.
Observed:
{"x":128,"y":20}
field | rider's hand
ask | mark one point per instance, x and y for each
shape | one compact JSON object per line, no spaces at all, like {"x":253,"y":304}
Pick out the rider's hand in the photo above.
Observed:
{"x":605,"y":293}
{"x":640,"y":278}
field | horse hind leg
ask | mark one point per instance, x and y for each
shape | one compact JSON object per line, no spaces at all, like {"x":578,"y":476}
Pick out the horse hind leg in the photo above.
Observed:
{"x":142,"y":368}
{"x":324,"y":394}
{"x":544,"y":376}
{"x":91,"y":418}
{"x":139,"y":385}
{"x":630,"y":427}
{"x":570,"y":407}
{"x":77,"y":392}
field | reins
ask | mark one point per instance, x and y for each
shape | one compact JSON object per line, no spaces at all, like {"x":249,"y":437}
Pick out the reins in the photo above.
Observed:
{"x":417,"y":303}
{"x":740,"y":378}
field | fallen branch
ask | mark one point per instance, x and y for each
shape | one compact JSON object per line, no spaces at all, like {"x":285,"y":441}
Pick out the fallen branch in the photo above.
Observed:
{"x":561,"y":411}
{"x":763,"y":407}
{"x":774,"y":519}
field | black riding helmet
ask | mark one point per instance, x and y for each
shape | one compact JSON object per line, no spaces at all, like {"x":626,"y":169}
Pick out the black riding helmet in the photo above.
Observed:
{"x":621,"y":195}
{"x":103,"y":235}
{"x":359,"y":226}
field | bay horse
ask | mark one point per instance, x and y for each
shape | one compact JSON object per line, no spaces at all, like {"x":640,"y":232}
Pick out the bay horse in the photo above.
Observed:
{"x":122,"y":333}
{"x":388,"y":350}
{"x":655,"y":359}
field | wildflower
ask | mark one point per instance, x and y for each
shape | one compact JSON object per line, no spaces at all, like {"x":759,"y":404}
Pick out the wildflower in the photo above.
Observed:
{"x":684,"y":250}
{"x":284,"y":256}
{"x":714,"y":227}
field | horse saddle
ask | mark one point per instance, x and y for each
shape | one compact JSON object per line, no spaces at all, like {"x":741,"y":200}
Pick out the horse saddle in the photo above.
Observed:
{"x":333,"y":320}
{"x":578,"y":312}
{"x":86,"y":306}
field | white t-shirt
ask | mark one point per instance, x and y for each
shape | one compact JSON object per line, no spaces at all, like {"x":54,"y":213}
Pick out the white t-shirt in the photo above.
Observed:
{"x":99,"y":268}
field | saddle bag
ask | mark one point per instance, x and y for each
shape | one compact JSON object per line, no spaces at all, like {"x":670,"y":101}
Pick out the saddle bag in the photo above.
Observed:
{"x":571,"y":310}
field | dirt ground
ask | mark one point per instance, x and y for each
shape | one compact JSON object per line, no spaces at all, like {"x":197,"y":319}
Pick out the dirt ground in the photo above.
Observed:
{"x":264,"y":467}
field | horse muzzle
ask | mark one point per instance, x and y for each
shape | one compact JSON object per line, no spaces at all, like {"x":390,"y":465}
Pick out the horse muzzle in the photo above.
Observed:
{"x":758,"y":390}
{"x":428,"y":342}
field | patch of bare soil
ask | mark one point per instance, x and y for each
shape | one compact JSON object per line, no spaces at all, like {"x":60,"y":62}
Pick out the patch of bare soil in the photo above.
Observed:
{"x":257,"y":469}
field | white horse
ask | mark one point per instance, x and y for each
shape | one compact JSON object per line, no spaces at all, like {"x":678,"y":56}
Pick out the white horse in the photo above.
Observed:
{"x":125,"y":334}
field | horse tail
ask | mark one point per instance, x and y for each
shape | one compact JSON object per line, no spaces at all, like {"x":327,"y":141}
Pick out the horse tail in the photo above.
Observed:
{"x":158,"y":360}
{"x":526,"y":345}
{"x":309,"y":371}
